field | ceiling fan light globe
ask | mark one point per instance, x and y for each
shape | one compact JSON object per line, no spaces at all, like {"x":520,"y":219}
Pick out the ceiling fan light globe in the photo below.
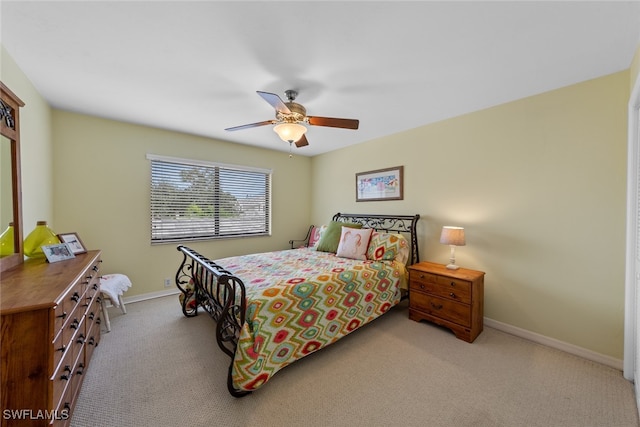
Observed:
{"x":290,"y":132}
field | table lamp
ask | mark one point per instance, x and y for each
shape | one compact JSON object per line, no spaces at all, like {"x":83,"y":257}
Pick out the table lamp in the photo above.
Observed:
{"x":452,"y":236}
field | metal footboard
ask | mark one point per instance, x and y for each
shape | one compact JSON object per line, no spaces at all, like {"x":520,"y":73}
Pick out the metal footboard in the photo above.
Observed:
{"x":222,"y":295}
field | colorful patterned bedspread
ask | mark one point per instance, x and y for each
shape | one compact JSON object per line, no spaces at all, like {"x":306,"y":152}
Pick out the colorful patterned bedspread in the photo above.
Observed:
{"x":301,"y":300}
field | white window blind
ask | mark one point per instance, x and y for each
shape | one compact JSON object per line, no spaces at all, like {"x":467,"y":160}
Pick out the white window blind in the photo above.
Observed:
{"x":196,"y":200}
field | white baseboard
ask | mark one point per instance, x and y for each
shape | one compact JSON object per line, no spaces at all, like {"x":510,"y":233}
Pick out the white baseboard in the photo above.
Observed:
{"x":554,"y":343}
{"x":150,"y":295}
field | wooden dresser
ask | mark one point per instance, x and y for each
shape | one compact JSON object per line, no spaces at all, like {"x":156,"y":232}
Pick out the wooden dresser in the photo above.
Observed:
{"x":51,"y":315}
{"x":450,"y":298}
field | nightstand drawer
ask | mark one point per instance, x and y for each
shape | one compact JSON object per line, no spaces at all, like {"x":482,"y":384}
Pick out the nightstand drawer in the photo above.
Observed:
{"x":446,"y":287}
{"x":443,"y":308}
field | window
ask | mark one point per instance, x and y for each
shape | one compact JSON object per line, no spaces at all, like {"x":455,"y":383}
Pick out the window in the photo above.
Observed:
{"x":197,"y":200}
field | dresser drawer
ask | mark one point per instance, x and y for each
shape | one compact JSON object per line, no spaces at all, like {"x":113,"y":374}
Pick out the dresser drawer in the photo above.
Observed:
{"x":60,"y":349}
{"x":442,"y":286}
{"x":92,"y":291}
{"x":91,"y":278}
{"x":62,"y":376}
{"x":63,"y":342}
{"x":94,"y":319}
{"x":72,"y":327}
{"x":66,"y":306}
{"x":63,"y":411}
{"x":93,"y":338}
{"x":60,"y":315}
{"x":440,"y":307}
{"x":78,"y":340}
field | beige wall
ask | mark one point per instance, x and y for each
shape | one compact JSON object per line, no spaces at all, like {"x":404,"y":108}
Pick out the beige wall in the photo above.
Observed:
{"x":102,"y":182}
{"x":539,"y":185}
{"x":36,"y":145}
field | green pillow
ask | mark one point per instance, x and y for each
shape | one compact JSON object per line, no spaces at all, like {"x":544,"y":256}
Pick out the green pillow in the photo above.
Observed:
{"x":331,"y":236}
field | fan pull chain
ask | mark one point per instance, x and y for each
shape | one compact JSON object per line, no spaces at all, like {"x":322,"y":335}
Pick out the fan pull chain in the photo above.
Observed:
{"x":290,"y":153}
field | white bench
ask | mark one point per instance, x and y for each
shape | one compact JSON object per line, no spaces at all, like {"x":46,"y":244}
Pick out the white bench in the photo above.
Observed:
{"x":112,"y":286}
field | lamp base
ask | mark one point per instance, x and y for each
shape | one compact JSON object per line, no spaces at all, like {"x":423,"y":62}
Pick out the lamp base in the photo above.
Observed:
{"x":452,"y":259}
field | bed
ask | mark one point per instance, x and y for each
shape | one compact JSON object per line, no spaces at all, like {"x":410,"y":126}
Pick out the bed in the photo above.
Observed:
{"x":274,"y":308}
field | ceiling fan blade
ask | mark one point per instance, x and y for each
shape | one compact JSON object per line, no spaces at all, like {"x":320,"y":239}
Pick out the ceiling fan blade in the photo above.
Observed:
{"x":252,"y":125}
{"x":302,"y":142}
{"x":333,"y":122}
{"x":275,"y":101}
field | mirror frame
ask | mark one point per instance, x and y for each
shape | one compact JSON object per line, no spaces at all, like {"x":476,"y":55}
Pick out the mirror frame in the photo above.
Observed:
{"x":10,"y":128}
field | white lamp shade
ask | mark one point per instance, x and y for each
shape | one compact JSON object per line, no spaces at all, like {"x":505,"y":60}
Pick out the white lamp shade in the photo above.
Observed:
{"x":452,"y":236}
{"x":289,"y":132}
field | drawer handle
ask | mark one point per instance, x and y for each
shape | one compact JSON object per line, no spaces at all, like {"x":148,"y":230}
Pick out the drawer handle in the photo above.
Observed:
{"x":67,"y":374}
{"x":63,"y":315}
{"x":422,"y":276}
{"x":436,"y":306}
{"x":95,"y":268}
{"x":91,"y":315}
{"x":80,"y":370}
{"x":452,"y":284}
{"x":452,"y":295}
{"x":62,"y":349}
{"x":75,"y":297}
{"x":421,"y":286}
{"x":91,"y":341}
{"x":80,"y":339}
{"x":74,"y":324}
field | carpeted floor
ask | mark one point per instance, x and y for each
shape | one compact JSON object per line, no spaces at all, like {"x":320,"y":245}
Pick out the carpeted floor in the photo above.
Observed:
{"x":158,"y":368}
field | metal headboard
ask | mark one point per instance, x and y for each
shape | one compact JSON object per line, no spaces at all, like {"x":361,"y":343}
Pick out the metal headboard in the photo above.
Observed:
{"x":388,"y":223}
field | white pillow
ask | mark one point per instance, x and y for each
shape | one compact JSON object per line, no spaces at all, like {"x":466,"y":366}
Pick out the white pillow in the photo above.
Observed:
{"x":354,"y":243}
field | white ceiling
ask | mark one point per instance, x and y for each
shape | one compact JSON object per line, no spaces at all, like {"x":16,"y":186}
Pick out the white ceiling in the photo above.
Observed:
{"x":195,"y":67}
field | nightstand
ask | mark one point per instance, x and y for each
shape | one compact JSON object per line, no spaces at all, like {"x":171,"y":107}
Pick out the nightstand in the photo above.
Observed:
{"x":450,"y":298}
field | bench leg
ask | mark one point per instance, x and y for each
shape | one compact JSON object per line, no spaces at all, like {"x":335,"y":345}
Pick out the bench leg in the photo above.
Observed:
{"x":105,"y":313}
{"x":122,"y":307}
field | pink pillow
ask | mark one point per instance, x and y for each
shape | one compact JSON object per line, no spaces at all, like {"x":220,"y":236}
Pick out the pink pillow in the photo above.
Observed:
{"x":314,"y":237}
{"x":354,"y":243}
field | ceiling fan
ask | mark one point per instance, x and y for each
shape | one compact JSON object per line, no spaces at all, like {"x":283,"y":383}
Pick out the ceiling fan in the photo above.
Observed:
{"x":290,"y":114}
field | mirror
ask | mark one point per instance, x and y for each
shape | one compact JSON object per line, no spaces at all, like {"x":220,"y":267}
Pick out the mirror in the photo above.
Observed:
{"x":10,"y":187}
{"x":6,"y":192}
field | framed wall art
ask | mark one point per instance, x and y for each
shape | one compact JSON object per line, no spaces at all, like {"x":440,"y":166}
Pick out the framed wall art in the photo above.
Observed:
{"x":381,"y":184}
{"x":74,"y":242}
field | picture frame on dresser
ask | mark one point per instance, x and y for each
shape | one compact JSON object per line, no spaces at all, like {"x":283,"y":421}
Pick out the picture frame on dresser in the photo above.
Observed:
{"x":58,"y":252}
{"x":74,"y":242}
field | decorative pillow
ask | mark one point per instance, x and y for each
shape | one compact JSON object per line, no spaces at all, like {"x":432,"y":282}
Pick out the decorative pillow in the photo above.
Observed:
{"x":388,"y":246}
{"x":330,"y":237}
{"x":314,"y":238}
{"x":354,"y":243}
